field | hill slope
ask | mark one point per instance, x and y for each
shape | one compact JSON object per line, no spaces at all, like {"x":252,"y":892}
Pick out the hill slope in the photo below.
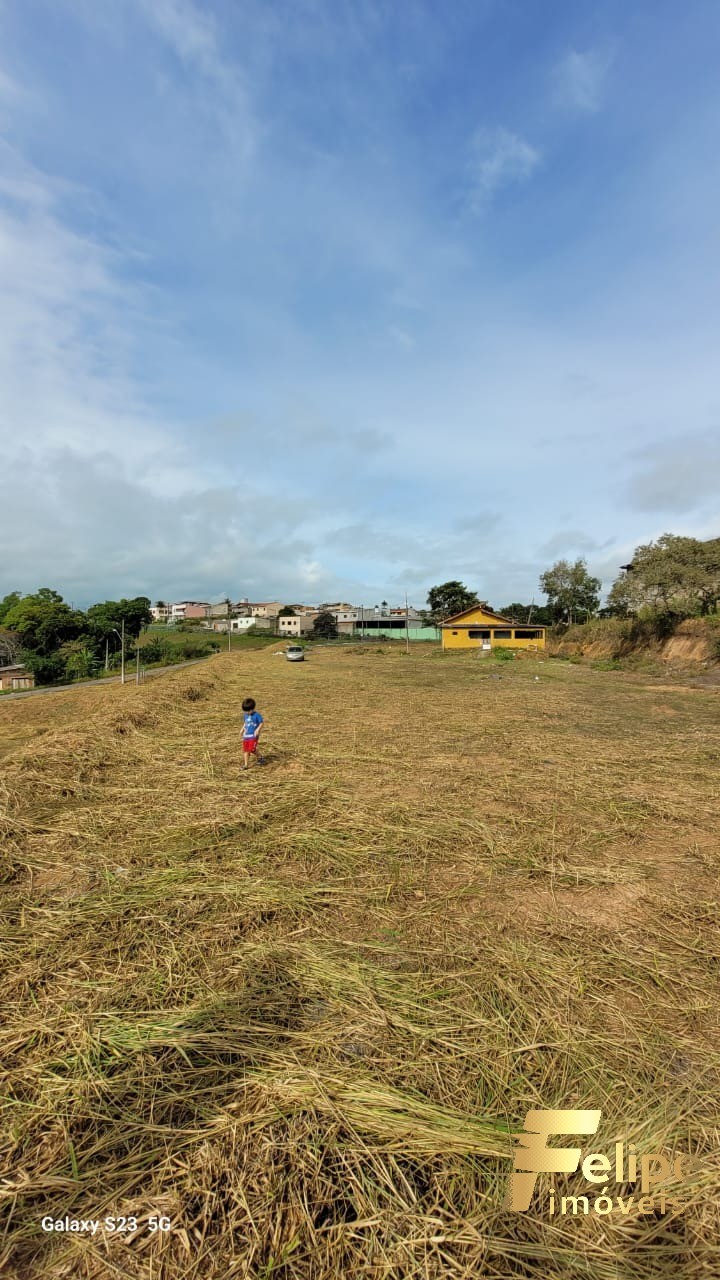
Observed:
{"x":693,"y":642}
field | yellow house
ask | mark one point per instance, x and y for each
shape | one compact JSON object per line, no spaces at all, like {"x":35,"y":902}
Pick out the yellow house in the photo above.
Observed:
{"x":479,"y":626}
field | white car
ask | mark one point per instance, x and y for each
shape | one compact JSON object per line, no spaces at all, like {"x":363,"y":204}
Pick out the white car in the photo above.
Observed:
{"x":295,"y":653}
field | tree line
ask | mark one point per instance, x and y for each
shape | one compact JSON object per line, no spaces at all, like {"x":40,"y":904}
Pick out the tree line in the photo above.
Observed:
{"x":58,"y":643}
{"x":674,"y":577}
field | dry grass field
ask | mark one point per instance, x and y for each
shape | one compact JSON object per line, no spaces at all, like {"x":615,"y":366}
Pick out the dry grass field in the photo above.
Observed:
{"x":302,"y":1012}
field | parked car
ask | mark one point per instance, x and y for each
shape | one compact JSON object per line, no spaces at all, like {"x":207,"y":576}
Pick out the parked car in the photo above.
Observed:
{"x":295,"y":653}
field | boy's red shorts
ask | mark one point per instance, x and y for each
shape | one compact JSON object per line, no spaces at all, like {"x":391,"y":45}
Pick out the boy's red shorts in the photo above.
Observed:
{"x":249,"y":744}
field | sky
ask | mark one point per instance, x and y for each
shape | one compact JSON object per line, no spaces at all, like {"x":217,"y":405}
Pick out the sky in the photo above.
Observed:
{"x":339,"y":299}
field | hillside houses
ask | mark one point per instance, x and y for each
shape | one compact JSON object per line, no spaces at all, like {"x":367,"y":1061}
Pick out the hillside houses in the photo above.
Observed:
{"x":478,"y":627}
{"x":268,"y":615}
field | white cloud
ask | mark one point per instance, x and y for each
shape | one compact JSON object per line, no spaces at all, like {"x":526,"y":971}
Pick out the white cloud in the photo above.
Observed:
{"x":401,"y":338}
{"x":579,"y":79}
{"x":677,"y":476}
{"x":64,"y":325}
{"x":498,"y":158}
{"x":191,"y":33}
{"x":567,"y":542}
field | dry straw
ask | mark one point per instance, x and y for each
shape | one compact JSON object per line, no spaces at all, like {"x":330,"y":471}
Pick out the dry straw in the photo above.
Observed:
{"x":302,"y":1012}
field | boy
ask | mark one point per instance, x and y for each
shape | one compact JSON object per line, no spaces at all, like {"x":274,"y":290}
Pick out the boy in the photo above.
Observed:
{"x":251,"y":732}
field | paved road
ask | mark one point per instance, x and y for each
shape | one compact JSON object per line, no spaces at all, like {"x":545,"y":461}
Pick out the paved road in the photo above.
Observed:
{"x":81,"y":684}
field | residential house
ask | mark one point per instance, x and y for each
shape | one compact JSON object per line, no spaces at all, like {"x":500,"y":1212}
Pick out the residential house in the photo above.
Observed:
{"x":240,"y":625}
{"x":266,"y":609}
{"x":480,"y":626}
{"x":300,"y":625}
{"x":15,"y":676}
{"x":375,"y":621}
{"x":183,"y":609}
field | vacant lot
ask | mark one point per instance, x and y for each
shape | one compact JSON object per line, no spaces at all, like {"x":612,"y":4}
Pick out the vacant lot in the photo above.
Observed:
{"x":301,"y":1012}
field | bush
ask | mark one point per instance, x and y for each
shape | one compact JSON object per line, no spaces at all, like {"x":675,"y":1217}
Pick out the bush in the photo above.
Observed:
{"x":194,"y":647}
{"x":47,"y":670}
{"x":503,"y":655}
{"x":156,"y":650}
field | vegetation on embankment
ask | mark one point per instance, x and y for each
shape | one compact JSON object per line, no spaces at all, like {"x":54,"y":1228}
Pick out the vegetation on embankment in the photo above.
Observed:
{"x":685,"y":641}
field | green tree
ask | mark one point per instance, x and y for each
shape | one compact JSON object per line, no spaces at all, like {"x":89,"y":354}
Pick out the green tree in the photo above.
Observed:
{"x":79,"y":658}
{"x":623,"y":599}
{"x":448,"y":599}
{"x":325,"y":625}
{"x":10,"y":646}
{"x":675,"y":574}
{"x":287,"y":611}
{"x":7,"y":603}
{"x":541,"y":614}
{"x":44,"y":621}
{"x":106,"y":618}
{"x":47,"y":669}
{"x":570,"y":589}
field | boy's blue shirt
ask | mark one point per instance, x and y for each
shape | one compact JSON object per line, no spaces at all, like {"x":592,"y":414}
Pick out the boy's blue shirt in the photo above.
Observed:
{"x":253,"y":720}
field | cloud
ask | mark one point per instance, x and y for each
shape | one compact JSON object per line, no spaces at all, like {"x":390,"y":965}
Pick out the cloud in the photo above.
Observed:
{"x":569,"y":541}
{"x":401,"y":338}
{"x":97,"y":512}
{"x":480,"y":522}
{"x":678,"y":475}
{"x":191,"y":33}
{"x":579,"y":79}
{"x":65,"y":316}
{"x":498,"y":159}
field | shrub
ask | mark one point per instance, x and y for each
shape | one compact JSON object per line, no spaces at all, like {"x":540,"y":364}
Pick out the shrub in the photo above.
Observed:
{"x":195,"y":647}
{"x":47,"y":670}
{"x":156,"y":650}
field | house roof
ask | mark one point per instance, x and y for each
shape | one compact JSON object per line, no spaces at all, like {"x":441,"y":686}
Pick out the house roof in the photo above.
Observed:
{"x":484,"y":608}
{"x":13,"y":666}
{"x":492,"y":615}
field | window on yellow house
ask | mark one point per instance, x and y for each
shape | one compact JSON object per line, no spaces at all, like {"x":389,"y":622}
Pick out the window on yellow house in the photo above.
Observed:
{"x":479,"y":635}
{"x":502,"y":635}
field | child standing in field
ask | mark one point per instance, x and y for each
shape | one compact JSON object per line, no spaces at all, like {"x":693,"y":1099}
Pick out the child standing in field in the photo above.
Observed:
{"x":251,"y":733}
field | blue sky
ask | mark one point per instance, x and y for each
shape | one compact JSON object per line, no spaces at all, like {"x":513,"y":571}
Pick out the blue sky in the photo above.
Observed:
{"x":328,"y":300}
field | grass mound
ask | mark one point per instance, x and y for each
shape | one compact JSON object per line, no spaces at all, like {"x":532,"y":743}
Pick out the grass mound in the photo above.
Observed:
{"x":302,"y":1012}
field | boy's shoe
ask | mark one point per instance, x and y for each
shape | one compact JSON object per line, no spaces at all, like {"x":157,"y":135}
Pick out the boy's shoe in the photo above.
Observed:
{"x":261,"y":759}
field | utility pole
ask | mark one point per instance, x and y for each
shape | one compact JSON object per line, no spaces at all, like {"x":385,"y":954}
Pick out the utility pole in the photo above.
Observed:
{"x":137,"y":664}
{"x":122,"y":653}
{"x":227,"y":600}
{"x":407,"y":626}
{"x":107,"y":643}
{"x":122,"y":650}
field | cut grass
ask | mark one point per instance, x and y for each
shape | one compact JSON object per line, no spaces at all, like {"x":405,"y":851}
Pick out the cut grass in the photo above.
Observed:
{"x":302,"y":1012}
